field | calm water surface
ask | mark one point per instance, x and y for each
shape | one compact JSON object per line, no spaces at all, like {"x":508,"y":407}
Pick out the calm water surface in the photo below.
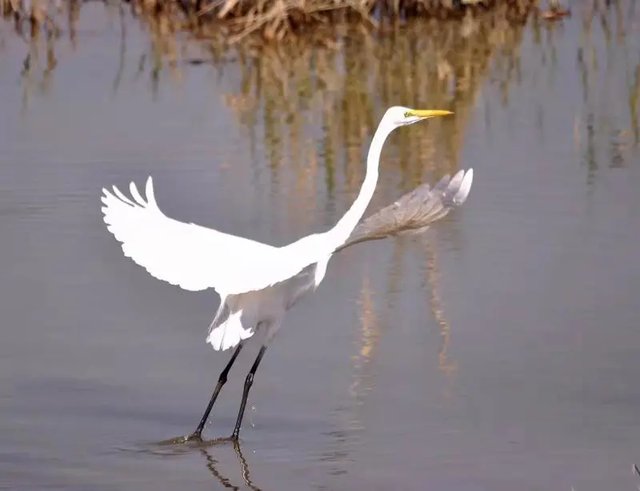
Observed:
{"x":498,"y":352}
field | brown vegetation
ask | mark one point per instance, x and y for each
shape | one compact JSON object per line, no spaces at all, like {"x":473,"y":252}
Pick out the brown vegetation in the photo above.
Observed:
{"x":274,"y":19}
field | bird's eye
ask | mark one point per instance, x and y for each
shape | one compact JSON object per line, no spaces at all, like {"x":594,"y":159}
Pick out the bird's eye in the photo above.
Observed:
{"x":407,"y":114}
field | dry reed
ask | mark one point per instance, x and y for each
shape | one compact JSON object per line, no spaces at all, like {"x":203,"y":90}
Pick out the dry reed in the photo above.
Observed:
{"x":273,"y":19}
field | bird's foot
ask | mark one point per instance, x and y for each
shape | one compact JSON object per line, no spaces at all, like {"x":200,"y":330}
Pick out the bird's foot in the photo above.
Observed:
{"x":196,"y":437}
{"x":181,"y":440}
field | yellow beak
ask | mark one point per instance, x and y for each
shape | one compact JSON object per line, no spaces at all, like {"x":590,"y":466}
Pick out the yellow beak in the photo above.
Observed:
{"x":428,"y":113}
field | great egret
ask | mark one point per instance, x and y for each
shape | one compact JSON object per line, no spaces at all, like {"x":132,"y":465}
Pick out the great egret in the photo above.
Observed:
{"x":257,"y":282}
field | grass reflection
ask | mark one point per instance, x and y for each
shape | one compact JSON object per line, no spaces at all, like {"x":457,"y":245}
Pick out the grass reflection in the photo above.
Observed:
{"x":291,"y":90}
{"x":607,"y":136}
{"x":319,"y":102}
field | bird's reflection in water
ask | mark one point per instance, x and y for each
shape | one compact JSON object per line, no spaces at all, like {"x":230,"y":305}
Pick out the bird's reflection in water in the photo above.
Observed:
{"x":181,"y":446}
{"x":214,"y":467}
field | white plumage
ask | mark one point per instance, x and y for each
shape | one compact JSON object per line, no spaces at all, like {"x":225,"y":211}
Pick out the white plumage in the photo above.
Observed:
{"x":191,"y":256}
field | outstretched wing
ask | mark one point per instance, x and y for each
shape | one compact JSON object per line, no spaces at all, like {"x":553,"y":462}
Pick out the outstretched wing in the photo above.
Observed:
{"x":414,"y":211}
{"x":189,"y":255}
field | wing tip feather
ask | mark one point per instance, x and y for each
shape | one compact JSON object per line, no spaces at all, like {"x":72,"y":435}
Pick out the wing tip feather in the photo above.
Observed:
{"x":465,"y":187}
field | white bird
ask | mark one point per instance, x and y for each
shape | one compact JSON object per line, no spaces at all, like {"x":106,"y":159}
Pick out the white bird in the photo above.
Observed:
{"x":257,"y":282}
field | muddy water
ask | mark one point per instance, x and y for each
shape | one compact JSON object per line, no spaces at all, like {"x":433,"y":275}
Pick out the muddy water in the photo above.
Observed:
{"x":497,"y":352}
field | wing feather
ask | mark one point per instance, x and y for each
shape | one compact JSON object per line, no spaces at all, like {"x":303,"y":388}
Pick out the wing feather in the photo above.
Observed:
{"x":120,"y":195}
{"x":189,"y":255}
{"x":415,"y":211}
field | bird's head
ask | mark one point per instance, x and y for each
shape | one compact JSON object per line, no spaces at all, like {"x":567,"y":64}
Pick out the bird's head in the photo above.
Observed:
{"x":402,"y":116}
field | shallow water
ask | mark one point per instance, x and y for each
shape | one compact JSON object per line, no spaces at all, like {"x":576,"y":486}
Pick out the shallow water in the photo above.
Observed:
{"x":497,"y":352}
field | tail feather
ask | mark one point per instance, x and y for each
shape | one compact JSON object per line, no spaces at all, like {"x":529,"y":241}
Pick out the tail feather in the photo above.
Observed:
{"x":229,"y":333}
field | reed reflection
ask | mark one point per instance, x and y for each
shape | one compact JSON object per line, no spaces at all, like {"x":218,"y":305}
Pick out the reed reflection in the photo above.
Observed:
{"x":606,"y":137}
{"x":38,"y":65}
{"x":372,"y":324}
{"x":605,"y":123}
{"x":288,"y":91}
{"x":301,"y":87}
{"x":446,"y":364}
{"x":368,"y":341}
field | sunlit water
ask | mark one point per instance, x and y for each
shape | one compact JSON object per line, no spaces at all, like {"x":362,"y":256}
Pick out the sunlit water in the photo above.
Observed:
{"x":498,"y":352}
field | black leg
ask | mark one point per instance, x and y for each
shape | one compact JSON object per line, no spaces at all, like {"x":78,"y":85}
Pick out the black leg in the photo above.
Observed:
{"x":248,"y":382}
{"x":197,"y":435}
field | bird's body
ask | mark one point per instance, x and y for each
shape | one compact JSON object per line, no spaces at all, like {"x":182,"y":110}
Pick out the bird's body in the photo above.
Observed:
{"x":240,"y":315}
{"x":257,"y":282}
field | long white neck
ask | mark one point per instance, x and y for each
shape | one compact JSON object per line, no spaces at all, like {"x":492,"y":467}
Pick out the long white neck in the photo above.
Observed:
{"x":342,"y":230}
